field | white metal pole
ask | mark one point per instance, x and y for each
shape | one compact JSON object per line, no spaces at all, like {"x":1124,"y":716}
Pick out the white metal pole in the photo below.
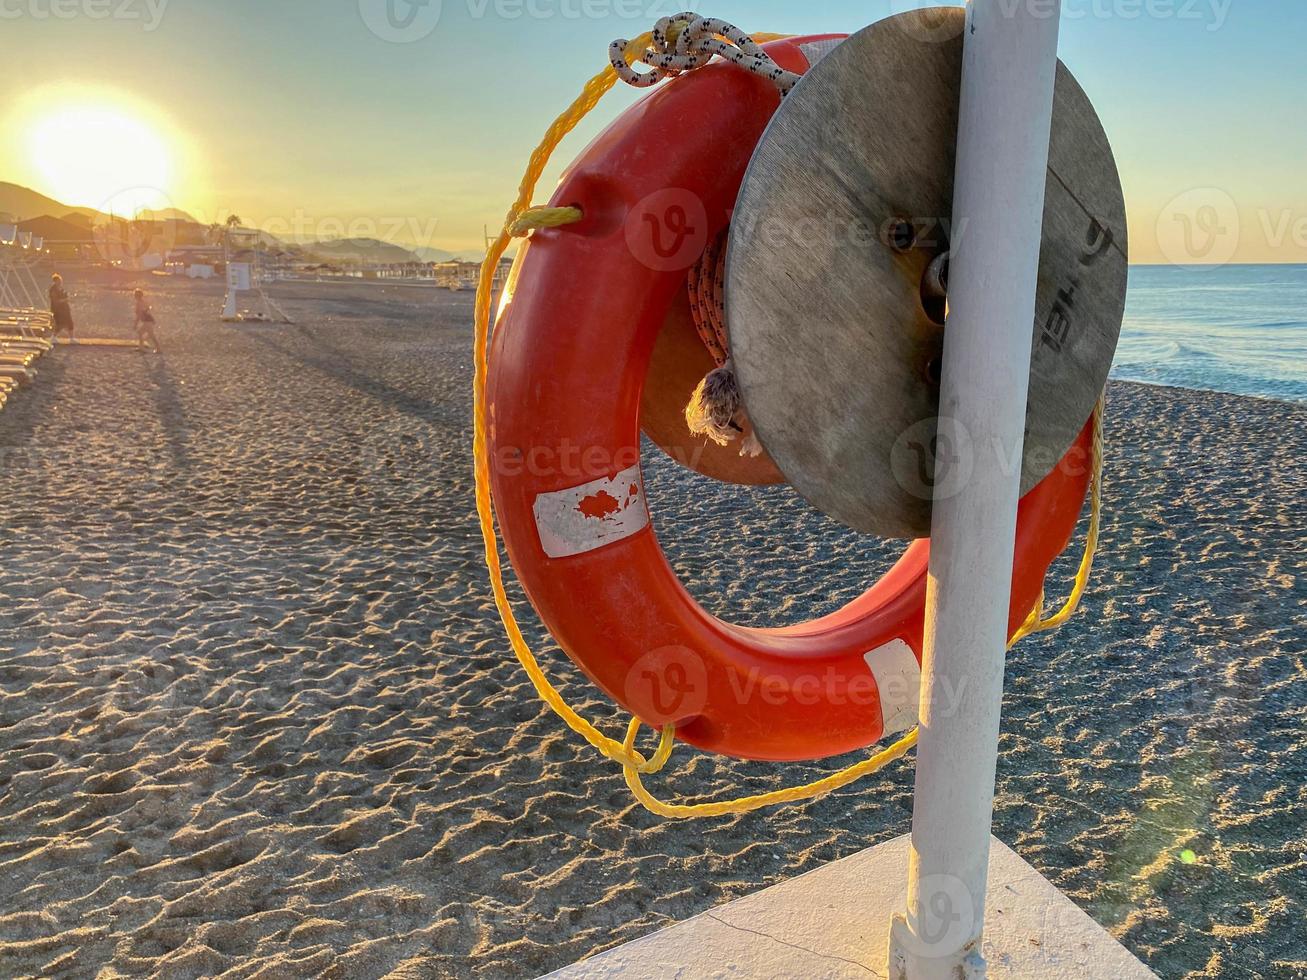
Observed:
{"x":1009,"y":67}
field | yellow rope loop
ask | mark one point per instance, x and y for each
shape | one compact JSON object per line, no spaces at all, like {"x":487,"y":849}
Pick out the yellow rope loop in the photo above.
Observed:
{"x":522,"y":218}
{"x":535,"y":218}
{"x":1036,"y":623}
{"x":791,"y":794}
{"x":687,"y":41}
{"x":666,"y":742}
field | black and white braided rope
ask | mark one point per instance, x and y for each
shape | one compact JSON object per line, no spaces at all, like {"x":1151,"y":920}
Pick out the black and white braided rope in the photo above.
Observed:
{"x":687,"y":41}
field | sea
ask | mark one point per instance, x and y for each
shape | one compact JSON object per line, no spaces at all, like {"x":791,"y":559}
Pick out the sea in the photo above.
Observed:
{"x":1234,"y":328}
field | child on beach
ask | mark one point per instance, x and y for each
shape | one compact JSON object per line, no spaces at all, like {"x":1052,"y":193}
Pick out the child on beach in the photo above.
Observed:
{"x":63,"y":313}
{"x":145,"y":322}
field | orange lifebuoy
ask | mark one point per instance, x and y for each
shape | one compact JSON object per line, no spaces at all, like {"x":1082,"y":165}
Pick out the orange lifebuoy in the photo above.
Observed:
{"x":569,"y":359}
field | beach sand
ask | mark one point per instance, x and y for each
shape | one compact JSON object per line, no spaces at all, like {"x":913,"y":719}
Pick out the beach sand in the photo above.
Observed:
{"x":258,"y":717}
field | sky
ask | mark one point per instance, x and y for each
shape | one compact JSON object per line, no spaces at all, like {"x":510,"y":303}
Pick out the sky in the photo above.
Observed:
{"x":327,"y":118}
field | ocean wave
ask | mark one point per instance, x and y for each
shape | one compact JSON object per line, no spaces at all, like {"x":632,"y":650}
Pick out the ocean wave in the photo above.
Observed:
{"x":1244,"y":331}
{"x":1282,"y":324}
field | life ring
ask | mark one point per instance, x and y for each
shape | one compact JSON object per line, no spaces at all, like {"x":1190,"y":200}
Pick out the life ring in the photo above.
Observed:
{"x":569,"y":357}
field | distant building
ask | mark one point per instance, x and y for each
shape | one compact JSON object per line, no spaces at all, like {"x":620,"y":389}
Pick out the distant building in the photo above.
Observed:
{"x":466,"y":275}
{"x":456,"y":275}
{"x":64,"y":240}
{"x":188,"y":254}
{"x":195,"y":261}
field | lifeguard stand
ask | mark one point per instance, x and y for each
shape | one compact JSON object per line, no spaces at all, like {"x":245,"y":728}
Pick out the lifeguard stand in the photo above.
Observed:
{"x":246,"y":273}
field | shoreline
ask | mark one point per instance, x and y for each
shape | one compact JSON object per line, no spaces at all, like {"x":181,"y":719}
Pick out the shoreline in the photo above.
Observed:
{"x":123,"y":280}
{"x":1206,"y":391}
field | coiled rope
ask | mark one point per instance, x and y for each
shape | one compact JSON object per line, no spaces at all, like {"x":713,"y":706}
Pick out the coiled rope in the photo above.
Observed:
{"x":686,"y":41}
{"x":706,"y":286}
{"x":522,"y":218}
{"x":716,"y":407}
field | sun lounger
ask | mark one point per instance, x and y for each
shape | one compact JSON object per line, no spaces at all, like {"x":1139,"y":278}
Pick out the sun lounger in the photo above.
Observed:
{"x":23,"y":375}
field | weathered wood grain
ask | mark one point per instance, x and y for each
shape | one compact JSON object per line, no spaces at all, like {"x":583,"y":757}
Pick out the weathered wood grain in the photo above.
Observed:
{"x":836,"y":351}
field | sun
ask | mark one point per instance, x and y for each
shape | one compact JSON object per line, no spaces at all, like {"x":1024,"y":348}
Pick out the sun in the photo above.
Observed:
{"x":103,"y":156}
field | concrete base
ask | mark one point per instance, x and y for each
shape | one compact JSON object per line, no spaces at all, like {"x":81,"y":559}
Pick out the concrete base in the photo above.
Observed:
{"x":835,"y":921}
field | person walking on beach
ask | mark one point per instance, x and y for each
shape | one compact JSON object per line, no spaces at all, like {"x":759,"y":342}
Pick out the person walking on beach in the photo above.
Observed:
{"x":63,"y":313}
{"x":145,"y":322}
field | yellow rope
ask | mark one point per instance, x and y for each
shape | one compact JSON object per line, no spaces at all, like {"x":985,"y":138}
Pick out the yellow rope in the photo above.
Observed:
{"x":1036,"y":623}
{"x":521,"y":219}
{"x":791,"y":794}
{"x":594,"y":90}
{"x":533,"y":218}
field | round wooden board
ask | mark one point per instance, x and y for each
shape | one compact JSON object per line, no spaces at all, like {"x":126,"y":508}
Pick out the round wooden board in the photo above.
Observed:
{"x":836,"y":353}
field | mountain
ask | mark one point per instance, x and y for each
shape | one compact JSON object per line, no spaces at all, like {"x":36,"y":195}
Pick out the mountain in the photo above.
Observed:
{"x":433,"y":254}
{"x":166,"y":214}
{"x":360,"y":250}
{"x":177,"y":227}
{"x":24,"y":203}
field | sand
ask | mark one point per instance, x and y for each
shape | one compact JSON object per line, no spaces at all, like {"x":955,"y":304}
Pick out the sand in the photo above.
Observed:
{"x":258,"y":718}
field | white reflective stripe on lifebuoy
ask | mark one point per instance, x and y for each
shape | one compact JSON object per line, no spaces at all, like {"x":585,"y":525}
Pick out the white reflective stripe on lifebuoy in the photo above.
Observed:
{"x":898,"y":682}
{"x":581,"y":519}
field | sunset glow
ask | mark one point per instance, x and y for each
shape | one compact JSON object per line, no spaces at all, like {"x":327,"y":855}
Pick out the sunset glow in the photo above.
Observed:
{"x":106,"y":154}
